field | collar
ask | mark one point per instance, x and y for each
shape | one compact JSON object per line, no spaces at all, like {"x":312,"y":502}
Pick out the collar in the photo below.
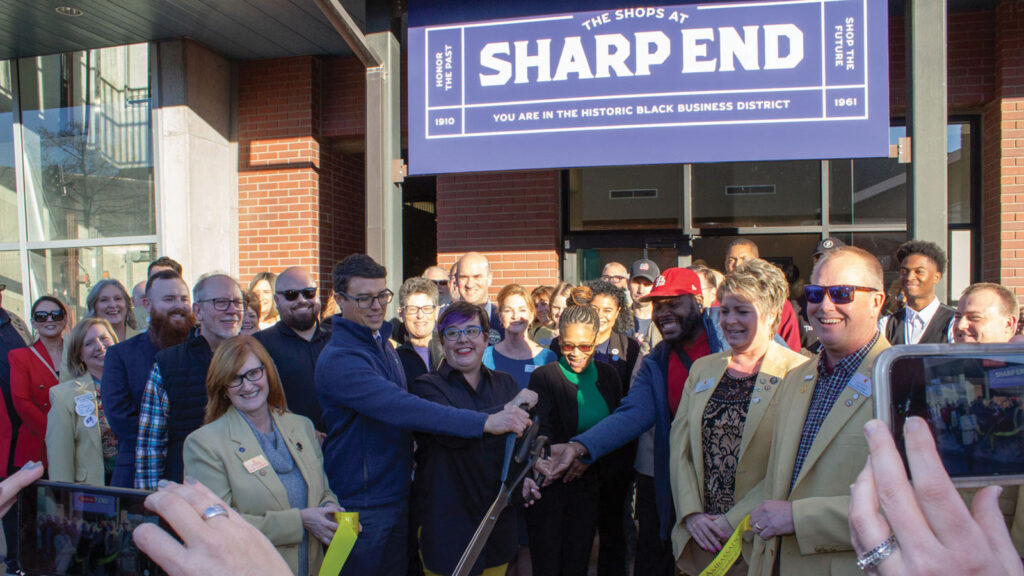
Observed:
{"x":449,"y":373}
{"x":287,"y":330}
{"x":849,"y":363}
{"x":925,"y":314}
{"x":342,"y":325}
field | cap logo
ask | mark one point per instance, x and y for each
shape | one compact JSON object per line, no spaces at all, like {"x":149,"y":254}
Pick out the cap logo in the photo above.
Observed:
{"x":827,"y":244}
{"x":644,"y":266}
{"x":659,"y":282}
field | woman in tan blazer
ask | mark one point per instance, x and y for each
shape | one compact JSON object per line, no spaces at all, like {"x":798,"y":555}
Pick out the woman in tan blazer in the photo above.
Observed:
{"x":722,"y":432}
{"x":263,"y":461}
{"x":80,"y":444}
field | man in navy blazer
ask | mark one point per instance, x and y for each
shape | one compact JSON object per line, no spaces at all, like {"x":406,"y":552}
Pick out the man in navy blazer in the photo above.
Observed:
{"x":128,"y":364}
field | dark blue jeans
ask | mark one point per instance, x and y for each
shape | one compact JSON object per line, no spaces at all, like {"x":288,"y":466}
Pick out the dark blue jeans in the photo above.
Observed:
{"x":380,"y":549}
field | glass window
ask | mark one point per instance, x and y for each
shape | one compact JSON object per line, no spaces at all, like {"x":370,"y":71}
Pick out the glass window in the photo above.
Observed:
{"x":874,"y":190}
{"x":742,"y":194}
{"x":13,"y":297}
{"x":69,"y":273}
{"x":790,"y":252}
{"x":883,"y":245}
{"x":8,"y":189}
{"x":86,"y":136}
{"x":626,"y":197}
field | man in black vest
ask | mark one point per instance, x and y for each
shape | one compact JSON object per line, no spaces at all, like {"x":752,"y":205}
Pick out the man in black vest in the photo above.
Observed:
{"x":296,"y":340}
{"x":174,"y":402}
{"x":924,"y":320}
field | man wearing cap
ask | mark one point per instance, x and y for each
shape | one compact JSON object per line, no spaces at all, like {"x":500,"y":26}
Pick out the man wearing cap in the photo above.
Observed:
{"x":649,"y":407}
{"x":641,"y":280}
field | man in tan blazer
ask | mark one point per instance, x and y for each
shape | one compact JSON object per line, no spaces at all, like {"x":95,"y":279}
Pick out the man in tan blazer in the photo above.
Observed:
{"x":818,"y":446}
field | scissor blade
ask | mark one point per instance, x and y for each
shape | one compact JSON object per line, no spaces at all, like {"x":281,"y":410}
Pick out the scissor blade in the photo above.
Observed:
{"x":483,"y":532}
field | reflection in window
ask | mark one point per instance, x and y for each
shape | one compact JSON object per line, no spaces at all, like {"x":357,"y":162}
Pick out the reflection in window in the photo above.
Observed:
{"x":740,"y":194}
{"x":69,"y":273}
{"x":86,"y":134}
{"x":8,"y":191}
{"x":13,"y":296}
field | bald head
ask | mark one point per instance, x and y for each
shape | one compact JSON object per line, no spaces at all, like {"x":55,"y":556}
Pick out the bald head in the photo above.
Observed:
{"x":473,"y":276}
{"x":616,"y":274}
{"x":863,"y":263}
{"x":296,"y":299}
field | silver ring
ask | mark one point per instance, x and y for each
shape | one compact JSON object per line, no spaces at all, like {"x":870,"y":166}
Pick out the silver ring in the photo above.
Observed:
{"x":757,"y":526}
{"x":876,"y":555}
{"x":215,"y":510}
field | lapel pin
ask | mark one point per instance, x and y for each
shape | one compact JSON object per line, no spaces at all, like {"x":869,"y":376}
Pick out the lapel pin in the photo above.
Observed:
{"x":298,"y":445}
{"x":848,"y":402}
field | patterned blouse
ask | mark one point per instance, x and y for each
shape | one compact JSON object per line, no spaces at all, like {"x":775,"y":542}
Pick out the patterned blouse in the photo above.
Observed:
{"x":724,"y":418}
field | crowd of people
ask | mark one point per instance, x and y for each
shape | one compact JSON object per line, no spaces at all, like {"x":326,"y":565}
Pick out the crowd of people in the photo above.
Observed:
{"x":677,"y":403}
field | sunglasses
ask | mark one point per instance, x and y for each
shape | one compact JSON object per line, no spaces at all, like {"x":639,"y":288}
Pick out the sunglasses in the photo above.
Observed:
{"x":840,"y":294}
{"x":585,"y":348}
{"x":55,"y":315}
{"x":293,"y":295}
{"x":440,"y":283}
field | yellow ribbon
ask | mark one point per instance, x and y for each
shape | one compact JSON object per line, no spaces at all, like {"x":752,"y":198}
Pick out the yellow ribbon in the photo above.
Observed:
{"x":342,"y":543}
{"x":730,"y":552}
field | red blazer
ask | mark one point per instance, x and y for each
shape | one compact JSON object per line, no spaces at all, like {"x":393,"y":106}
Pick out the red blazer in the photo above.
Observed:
{"x":31,"y":380}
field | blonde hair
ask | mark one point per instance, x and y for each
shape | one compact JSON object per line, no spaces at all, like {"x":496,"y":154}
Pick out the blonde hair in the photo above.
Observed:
{"x":227,"y":361}
{"x":77,"y":341}
{"x":761,"y":283}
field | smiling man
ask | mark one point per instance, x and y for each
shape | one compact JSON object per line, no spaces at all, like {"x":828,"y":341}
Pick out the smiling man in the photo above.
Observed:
{"x":296,"y":340}
{"x":924,"y":320}
{"x":473,"y":277}
{"x":985,"y":314}
{"x":818,"y":448}
{"x":370,"y":418}
{"x":657,"y":387}
{"x":174,"y":401}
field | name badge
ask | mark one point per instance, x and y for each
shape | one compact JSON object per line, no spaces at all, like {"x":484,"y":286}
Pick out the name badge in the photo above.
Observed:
{"x":861,"y":384}
{"x":254,"y":465}
{"x":705,"y":384}
{"x":84,"y":409}
{"x":90,"y":421}
{"x":84,"y":398}
{"x":529,"y":368}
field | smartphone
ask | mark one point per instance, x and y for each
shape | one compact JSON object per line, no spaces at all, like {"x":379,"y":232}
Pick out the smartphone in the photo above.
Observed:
{"x":971,"y":395}
{"x":74,"y":529}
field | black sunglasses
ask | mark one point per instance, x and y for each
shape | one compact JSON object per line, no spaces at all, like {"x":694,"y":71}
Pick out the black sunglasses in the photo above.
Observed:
{"x":840,"y":294}
{"x":55,"y":315}
{"x":292,"y":295}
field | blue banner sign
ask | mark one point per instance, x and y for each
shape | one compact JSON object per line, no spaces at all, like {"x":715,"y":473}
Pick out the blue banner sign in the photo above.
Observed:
{"x":712,"y":82}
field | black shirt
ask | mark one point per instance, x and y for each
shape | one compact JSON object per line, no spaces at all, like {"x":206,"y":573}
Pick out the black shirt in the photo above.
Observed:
{"x":295,"y":358}
{"x":457,"y":479}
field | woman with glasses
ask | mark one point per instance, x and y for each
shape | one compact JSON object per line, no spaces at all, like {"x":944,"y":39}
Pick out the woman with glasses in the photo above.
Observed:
{"x":263,"y":285}
{"x":517,"y":354}
{"x":419,"y":351}
{"x":80,"y":445}
{"x":263,"y":461}
{"x":34,"y":370}
{"x":457,"y":478}
{"x":723,"y":426}
{"x":574,"y":394}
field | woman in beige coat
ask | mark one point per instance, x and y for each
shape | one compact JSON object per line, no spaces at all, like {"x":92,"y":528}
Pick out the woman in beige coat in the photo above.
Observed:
{"x":722,"y":432}
{"x":263,"y":461}
{"x":79,"y":442}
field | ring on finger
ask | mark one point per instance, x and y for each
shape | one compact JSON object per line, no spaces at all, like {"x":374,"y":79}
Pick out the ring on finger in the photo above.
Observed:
{"x":215,"y":510}
{"x":876,"y":555}
{"x":757,"y":527}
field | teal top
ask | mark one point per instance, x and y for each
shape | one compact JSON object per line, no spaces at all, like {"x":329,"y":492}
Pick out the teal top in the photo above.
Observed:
{"x":590,"y":405}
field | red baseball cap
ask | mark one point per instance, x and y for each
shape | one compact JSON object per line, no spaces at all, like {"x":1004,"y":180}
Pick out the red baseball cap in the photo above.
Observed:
{"x":675,"y":282}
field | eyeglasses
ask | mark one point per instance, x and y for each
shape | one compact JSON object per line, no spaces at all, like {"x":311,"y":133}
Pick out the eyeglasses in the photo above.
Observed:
{"x":293,"y":295}
{"x":252,"y":376}
{"x":585,"y":348}
{"x":839,"y":294}
{"x":610,"y":278}
{"x":366,"y":301}
{"x":440,"y":283}
{"x":415,"y":310}
{"x":222,"y":304}
{"x":55,"y":315}
{"x":453,"y":334}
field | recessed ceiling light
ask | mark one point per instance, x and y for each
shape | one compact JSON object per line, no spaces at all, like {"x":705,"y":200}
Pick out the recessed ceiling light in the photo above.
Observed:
{"x":68,"y":11}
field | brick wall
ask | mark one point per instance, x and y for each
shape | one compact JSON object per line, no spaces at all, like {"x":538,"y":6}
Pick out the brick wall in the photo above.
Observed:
{"x":1003,"y":152}
{"x":511,"y":217}
{"x":300,"y":199}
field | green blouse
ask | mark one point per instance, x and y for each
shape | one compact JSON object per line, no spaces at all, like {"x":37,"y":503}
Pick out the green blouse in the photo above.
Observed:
{"x":590,"y":405}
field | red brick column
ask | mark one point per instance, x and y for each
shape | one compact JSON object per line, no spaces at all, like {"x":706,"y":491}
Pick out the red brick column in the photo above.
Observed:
{"x":301,"y":199}
{"x":511,"y":217}
{"x":1003,"y":153}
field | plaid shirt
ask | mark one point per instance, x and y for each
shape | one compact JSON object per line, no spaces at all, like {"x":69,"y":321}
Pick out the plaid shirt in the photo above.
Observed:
{"x":151,"y":447}
{"x":830,"y":386}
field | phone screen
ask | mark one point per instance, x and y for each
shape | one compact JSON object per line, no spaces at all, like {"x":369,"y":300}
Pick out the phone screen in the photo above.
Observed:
{"x":83,"y":530}
{"x":973,"y":404}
